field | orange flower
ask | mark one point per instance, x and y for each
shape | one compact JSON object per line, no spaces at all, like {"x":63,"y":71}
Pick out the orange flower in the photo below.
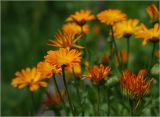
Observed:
{"x":81,"y":17}
{"x":53,"y":100}
{"x":153,"y":12}
{"x":134,"y":85}
{"x":47,"y":70}
{"x":111,"y":16}
{"x":65,"y":40}
{"x":97,"y":73}
{"x":63,"y":56}
{"x":31,"y":78}
{"x":125,"y":28}
{"x":152,"y":34}
{"x":73,"y":28}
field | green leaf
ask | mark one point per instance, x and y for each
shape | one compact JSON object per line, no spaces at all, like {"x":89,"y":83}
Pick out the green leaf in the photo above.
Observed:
{"x":111,"y":81}
{"x":155,"y":70}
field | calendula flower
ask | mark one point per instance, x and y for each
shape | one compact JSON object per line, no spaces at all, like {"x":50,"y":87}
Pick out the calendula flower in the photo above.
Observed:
{"x":97,"y":73}
{"x":153,"y":12}
{"x":111,"y":16}
{"x":65,"y":40}
{"x":53,"y":100}
{"x":63,"y":56}
{"x":152,"y":34}
{"x":81,"y":17}
{"x":122,"y":55}
{"x":125,"y":28}
{"x":47,"y":70}
{"x":73,"y":28}
{"x":31,"y":78}
{"x":135,"y":85}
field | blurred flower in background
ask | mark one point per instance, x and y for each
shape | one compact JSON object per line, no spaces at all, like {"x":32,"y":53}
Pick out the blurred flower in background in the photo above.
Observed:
{"x":153,"y":12}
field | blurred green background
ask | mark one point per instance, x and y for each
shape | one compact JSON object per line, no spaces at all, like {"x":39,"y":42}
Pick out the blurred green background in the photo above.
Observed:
{"x":26,"y":28}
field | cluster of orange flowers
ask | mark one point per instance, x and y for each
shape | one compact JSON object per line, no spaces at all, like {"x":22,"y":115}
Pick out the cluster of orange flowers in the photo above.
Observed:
{"x":69,"y":54}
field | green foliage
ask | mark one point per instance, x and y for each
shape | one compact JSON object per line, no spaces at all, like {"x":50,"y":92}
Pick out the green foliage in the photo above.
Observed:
{"x":155,"y":69}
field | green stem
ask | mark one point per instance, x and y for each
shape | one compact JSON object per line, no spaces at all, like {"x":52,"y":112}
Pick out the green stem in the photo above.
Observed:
{"x":131,"y":102}
{"x":56,"y":85}
{"x":76,"y":84}
{"x":152,"y":56}
{"x":98,"y":99}
{"x":128,"y":50}
{"x":108,"y":101}
{"x":114,"y":43}
{"x":65,"y":84}
{"x":77,"y":90}
{"x":33,"y":103}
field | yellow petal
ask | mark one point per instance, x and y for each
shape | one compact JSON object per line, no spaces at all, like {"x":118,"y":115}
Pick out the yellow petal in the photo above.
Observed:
{"x":43,"y":84}
{"x":34,"y":87}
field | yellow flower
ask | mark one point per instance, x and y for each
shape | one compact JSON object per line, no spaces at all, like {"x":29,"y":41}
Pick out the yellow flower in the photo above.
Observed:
{"x":125,"y":28}
{"x":97,"y":73}
{"x":153,"y":12}
{"x":152,"y":34}
{"x":65,"y":40}
{"x":47,"y":70}
{"x":63,"y":56}
{"x":53,"y":100}
{"x":111,"y":16}
{"x":134,"y":85}
{"x":30,"y":78}
{"x":73,"y":28}
{"x":81,"y":17}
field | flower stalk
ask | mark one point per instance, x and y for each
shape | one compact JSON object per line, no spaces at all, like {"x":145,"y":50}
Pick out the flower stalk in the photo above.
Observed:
{"x":76,"y":84}
{"x":131,"y":107}
{"x":128,"y":50}
{"x":108,"y":101}
{"x":77,"y":90}
{"x":98,"y":99}
{"x":113,"y":43}
{"x":56,"y":85}
{"x":152,"y":56}
{"x":33,"y":103}
{"x":65,"y":84}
